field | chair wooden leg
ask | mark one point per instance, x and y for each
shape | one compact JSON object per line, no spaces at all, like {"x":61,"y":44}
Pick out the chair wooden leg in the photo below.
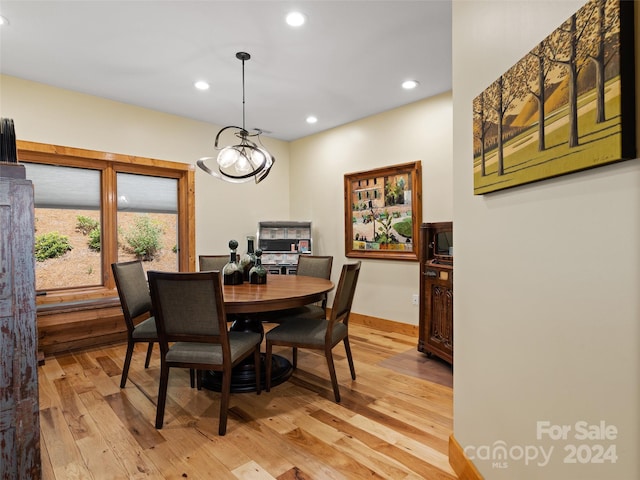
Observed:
{"x":149,"y":351}
{"x":294,"y":358}
{"x":347,"y":349}
{"x":199,"y":379}
{"x":162,"y":395}
{"x":224,"y":401}
{"x":127,"y":363}
{"x":192,"y":377}
{"x":332,"y":374}
{"x":267,"y":365}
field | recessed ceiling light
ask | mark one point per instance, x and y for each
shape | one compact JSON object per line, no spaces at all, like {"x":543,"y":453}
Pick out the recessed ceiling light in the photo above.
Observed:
{"x":296,"y":19}
{"x":409,"y":84}
{"x":3,"y":21}
{"x":312,"y":119}
{"x":201,"y":85}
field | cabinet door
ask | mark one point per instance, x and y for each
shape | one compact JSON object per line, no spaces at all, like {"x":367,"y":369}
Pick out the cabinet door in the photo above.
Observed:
{"x":437,"y":331}
{"x":441,"y":324}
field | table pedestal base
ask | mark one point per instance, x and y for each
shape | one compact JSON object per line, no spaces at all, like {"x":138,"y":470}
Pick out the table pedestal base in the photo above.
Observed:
{"x":243,"y":377}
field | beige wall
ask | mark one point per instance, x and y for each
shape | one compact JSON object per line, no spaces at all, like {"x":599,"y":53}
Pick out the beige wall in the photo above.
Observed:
{"x":419,"y":131}
{"x":307,"y":187}
{"x":547,"y":323}
{"x":223,"y":211}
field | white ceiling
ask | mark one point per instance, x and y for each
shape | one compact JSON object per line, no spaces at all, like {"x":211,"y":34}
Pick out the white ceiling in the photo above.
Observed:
{"x":347,"y":62}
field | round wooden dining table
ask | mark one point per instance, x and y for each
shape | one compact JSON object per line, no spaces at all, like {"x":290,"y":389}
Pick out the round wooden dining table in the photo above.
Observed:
{"x":249,"y":306}
{"x":280,"y":292}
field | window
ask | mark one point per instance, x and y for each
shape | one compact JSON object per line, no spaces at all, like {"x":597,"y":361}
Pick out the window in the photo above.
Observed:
{"x":67,"y":206}
{"x":94,"y":208}
{"x":147,"y":220}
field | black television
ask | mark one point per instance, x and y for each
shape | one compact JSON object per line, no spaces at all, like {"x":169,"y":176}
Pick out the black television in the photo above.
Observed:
{"x":439,"y":242}
{"x":443,"y":244}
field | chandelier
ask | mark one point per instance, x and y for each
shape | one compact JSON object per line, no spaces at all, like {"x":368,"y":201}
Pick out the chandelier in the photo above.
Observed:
{"x":245,"y":161}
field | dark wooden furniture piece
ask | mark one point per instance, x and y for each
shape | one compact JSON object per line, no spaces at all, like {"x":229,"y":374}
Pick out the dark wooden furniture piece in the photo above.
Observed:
{"x":248,"y":302}
{"x":320,"y":334}
{"x":436,"y":290}
{"x":192,"y":331}
{"x":19,"y":415}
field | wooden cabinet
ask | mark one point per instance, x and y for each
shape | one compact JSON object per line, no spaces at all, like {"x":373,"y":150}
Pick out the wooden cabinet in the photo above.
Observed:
{"x":436,"y":290}
{"x":19,"y":412}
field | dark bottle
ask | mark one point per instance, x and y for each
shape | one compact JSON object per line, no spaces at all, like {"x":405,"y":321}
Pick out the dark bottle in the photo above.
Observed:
{"x":258,"y":274}
{"x":231,"y":273}
{"x":248,"y":260}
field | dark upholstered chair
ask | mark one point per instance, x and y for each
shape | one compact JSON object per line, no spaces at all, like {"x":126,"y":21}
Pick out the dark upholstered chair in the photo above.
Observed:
{"x":311,"y":266}
{"x":133,"y":290}
{"x":212,"y":262}
{"x":315,"y":266}
{"x":319,"y":334}
{"x":192,"y":332}
{"x":208,"y":263}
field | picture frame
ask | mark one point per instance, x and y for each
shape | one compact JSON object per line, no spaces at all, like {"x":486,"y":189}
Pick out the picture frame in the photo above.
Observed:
{"x":568,"y":105}
{"x":303,"y":246}
{"x":383,"y":212}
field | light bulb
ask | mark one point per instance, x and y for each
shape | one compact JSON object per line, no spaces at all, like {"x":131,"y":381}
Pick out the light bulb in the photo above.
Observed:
{"x":227,"y":157}
{"x":242,"y":165}
{"x":259,"y":158}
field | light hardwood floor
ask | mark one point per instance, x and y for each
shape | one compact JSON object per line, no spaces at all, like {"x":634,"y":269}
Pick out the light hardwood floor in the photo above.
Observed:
{"x":389,"y":425}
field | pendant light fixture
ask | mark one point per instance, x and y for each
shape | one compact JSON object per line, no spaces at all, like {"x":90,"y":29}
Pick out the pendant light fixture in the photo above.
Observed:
{"x":245,"y":161}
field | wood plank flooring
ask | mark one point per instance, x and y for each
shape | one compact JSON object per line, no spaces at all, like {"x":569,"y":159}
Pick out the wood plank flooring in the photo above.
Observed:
{"x":389,"y":425}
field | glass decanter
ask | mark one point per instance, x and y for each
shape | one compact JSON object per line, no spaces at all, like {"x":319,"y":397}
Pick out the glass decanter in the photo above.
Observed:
{"x":231,"y":273}
{"x":258,"y":274}
{"x":248,"y":260}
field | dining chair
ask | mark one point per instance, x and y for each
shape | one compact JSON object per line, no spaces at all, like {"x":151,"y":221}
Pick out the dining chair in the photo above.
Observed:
{"x":135,"y":300}
{"x":192,"y":332}
{"x":315,"y":266}
{"x":212,"y":262}
{"x":319,"y":334}
{"x":209,"y":263}
{"x":312,"y":266}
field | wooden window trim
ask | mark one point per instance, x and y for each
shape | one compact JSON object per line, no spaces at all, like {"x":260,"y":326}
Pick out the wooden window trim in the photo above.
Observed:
{"x":111,"y":164}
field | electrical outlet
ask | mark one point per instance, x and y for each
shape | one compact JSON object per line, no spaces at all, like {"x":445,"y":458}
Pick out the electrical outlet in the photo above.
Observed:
{"x":414,"y":299}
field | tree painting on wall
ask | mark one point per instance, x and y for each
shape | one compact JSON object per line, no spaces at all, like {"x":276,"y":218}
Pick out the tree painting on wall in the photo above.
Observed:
{"x":567,"y":105}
